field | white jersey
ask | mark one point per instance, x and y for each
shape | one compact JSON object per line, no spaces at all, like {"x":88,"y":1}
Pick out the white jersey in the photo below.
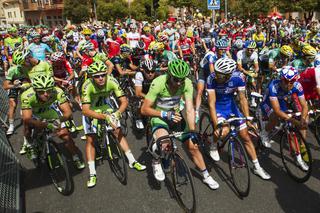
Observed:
{"x":133,"y":39}
{"x":247,"y":61}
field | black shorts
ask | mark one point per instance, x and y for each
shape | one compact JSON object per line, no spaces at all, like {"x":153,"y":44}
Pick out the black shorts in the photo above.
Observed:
{"x":203,"y":75}
{"x":13,"y":93}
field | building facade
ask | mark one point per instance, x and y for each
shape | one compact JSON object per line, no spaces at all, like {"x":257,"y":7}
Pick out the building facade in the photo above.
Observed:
{"x":48,"y":12}
{"x":2,"y":16}
{"x":13,"y":12}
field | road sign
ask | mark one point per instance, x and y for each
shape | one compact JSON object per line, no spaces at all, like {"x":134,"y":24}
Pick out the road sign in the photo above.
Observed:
{"x":213,"y":4}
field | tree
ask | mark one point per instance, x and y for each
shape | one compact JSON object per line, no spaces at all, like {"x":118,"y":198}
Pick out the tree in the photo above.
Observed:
{"x":77,"y":11}
{"x":111,"y":10}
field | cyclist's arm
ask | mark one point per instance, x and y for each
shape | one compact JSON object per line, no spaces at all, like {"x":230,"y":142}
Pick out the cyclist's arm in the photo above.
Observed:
{"x":138,"y":91}
{"x":120,"y":70}
{"x":212,"y":107}
{"x":304,"y":111}
{"x":180,"y":51}
{"x":147,"y":109}
{"x":8,"y":85}
{"x":66,"y":111}
{"x":110,"y":66}
{"x":277,"y":110}
{"x":190,"y":113}
{"x":240,"y":68}
{"x":256,"y":67}
{"x":86,"y":111}
{"x":193,"y":50}
{"x":243,"y":103}
{"x":27,"y":119}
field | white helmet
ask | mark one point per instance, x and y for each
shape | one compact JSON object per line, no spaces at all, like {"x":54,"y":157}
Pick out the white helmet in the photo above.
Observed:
{"x":238,"y":44}
{"x":225,"y":65}
{"x":100,"y":33}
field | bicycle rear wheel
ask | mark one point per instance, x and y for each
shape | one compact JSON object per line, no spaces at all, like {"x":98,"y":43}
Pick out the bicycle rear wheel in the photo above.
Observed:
{"x":238,"y":166}
{"x":289,"y":154}
{"x":58,"y":169}
{"x":183,"y":184}
{"x":206,"y":132}
{"x":315,"y":129}
{"x":116,"y":159}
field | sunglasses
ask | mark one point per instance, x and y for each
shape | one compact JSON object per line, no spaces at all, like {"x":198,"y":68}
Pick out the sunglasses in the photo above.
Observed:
{"x":222,"y":76}
{"x":99,"y":76}
{"x":87,"y":35}
{"x":43,"y":91}
{"x":177,"y":80}
{"x":149,"y":71}
{"x":250,"y":50}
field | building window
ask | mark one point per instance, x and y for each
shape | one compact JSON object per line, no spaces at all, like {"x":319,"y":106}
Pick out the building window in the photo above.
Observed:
{"x":9,"y":15}
{"x":34,"y":1}
{"x":14,"y":14}
{"x":21,"y":14}
{"x":48,"y":17}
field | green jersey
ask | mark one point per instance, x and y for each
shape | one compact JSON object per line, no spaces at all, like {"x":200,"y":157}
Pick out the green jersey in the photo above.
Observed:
{"x":273,"y":55}
{"x":44,"y":110}
{"x":161,"y":96}
{"x":13,"y":42}
{"x":300,"y":65}
{"x":98,"y":97}
{"x":17,"y":72}
{"x":100,"y":57}
{"x":168,"y":55}
{"x":43,"y":67}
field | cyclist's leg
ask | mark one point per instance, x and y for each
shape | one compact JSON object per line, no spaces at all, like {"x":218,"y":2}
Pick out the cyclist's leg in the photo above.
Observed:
{"x":13,"y":98}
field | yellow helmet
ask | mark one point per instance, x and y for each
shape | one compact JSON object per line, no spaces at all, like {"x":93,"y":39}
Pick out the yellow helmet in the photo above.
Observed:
{"x":147,"y":29}
{"x":189,"y":33}
{"x":308,"y":50}
{"x":158,"y":46}
{"x":286,"y":50}
{"x":86,"y":31}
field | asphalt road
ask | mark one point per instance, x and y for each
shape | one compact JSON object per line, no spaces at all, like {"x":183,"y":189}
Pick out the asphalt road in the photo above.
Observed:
{"x":144,"y":194}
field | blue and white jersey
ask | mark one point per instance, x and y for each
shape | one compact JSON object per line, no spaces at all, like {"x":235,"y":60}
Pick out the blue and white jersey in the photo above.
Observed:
{"x":39,"y":51}
{"x":275,"y":92}
{"x":209,"y":58}
{"x":317,"y":60}
{"x":225,"y":92}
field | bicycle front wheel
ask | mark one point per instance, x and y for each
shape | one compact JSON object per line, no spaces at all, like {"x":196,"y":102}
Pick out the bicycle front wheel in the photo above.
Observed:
{"x":238,"y":166}
{"x":296,"y":156}
{"x":183,"y":184}
{"x":116,"y":159}
{"x":58,"y":169}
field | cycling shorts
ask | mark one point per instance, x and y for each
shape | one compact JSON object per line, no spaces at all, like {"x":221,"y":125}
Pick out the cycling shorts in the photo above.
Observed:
{"x":224,"y":113}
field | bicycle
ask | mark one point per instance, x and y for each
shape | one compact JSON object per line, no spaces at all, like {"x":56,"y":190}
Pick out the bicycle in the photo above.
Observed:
{"x":314,"y":125}
{"x":237,"y":156}
{"x":293,"y":145}
{"x":49,"y":155}
{"x":177,"y":169}
{"x":108,"y":147}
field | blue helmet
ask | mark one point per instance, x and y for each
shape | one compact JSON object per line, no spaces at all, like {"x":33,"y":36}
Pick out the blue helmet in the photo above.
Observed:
{"x":289,"y":73}
{"x":222,"y":44}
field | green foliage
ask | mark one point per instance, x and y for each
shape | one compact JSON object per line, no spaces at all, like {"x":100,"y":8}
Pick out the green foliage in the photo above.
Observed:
{"x":111,"y":10}
{"x":77,"y":11}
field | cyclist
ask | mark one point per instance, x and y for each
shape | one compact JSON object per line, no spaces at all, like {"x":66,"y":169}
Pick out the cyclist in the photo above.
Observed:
{"x":280,"y":57}
{"x":277,"y":95}
{"x":122,"y":63}
{"x":247,"y":63}
{"x":147,"y":37}
{"x":16,"y":79}
{"x":12,"y":42}
{"x":206,"y":68}
{"x":310,"y":81}
{"x":222,"y":84}
{"x":44,"y":101}
{"x":95,"y":92}
{"x":38,"y":49}
{"x":113,"y":43}
{"x":87,"y":38}
{"x":142,"y":82}
{"x":186,"y":48}
{"x":308,"y":57}
{"x":162,"y":104}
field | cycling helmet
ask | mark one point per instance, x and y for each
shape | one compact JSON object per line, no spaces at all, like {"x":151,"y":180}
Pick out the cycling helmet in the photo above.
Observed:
{"x":19,"y":56}
{"x":309,"y":51}
{"x":148,"y":64}
{"x":189,"y":33}
{"x":141,"y":45}
{"x":86,"y":31}
{"x":42,"y":81}
{"x":34,"y":34}
{"x":222,"y":44}
{"x":125,"y":48}
{"x":88,"y":45}
{"x":286,"y":50}
{"x":97,"y":67}
{"x":178,"y":68}
{"x":147,"y":29}
{"x":289,"y":73}
{"x":182,"y":31}
{"x":225,"y":66}
{"x":251,"y":45}
{"x":163,"y":38}
{"x":45,"y":39}
{"x":100,"y":33}
{"x":12,"y":30}
{"x":157,"y":46}
{"x":238,"y":44}
{"x":57,"y":56}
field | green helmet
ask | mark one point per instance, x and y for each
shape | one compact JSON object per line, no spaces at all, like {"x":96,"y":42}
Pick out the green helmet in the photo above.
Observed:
{"x":12,"y":30}
{"x":97,"y":67}
{"x":179,"y":68}
{"x":42,"y":81}
{"x":19,"y":56}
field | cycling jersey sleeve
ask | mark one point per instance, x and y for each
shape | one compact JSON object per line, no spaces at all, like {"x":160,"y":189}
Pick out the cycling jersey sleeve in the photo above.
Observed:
{"x":138,"y":79}
{"x":239,"y":57}
{"x":47,"y":48}
{"x":27,"y":98}
{"x":115,"y":86}
{"x":68,"y":67}
{"x":61,"y":96}
{"x":11,"y":73}
{"x":273,"y":92}
{"x":86,"y":92}
{"x":211,"y":84}
{"x":154,"y":90}
{"x":298,"y":89}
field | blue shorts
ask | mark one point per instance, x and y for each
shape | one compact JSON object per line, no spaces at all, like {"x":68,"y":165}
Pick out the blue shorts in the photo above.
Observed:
{"x":225,"y":112}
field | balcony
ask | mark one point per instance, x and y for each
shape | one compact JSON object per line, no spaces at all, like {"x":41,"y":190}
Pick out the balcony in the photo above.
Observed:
{"x":42,"y":5}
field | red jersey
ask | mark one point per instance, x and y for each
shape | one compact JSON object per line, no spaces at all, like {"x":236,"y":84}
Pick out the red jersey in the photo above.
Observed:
{"x":86,"y":61}
{"x":114,"y":46}
{"x":310,"y":80}
{"x":147,"y":40}
{"x":185,"y":46}
{"x":61,"y":69}
{"x":95,"y":43}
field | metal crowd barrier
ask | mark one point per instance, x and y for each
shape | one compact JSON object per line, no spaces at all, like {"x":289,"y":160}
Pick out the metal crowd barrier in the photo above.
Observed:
{"x":9,"y":165}
{"x":4,"y":105}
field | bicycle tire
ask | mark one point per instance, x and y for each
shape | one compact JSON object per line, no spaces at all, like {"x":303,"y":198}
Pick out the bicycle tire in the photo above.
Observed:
{"x":149,"y":135}
{"x":116,"y":159}
{"x":206,"y":131}
{"x":181,"y":176}
{"x":238,"y":159}
{"x":316,"y":129}
{"x":57,"y":163}
{"x":289,"y":158}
